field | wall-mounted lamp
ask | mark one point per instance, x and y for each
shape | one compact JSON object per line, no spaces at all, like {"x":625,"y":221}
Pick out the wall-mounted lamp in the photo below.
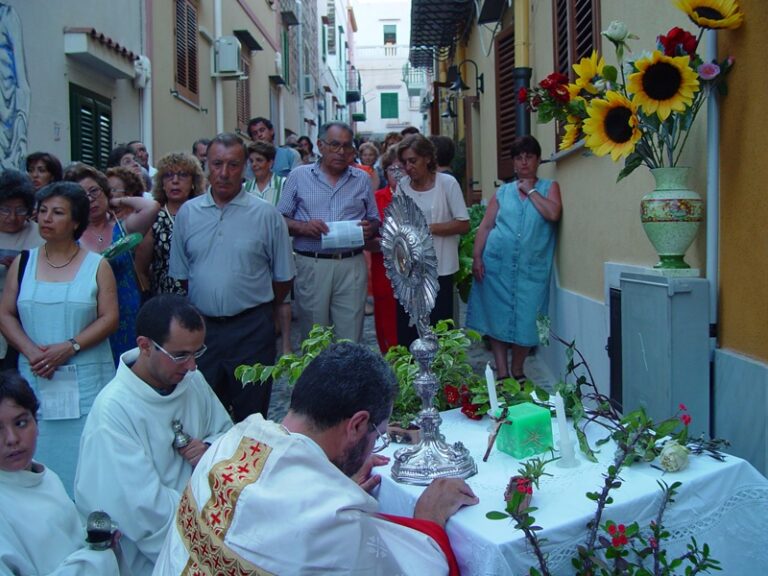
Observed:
{"x":454,"y":75}
{"x":449,"y":112}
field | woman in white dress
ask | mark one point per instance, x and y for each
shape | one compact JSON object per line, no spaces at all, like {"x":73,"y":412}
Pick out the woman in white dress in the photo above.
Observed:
{"x":40,"y":529}
{"x":60,"y":317}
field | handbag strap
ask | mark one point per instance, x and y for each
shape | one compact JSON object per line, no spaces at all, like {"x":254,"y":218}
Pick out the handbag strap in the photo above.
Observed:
{"x":22,"y":266}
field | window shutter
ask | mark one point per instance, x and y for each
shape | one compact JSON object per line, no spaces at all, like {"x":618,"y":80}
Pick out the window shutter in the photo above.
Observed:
{"x":186,"y":50}
{"x":506,"y":102}
{"x":243,"y":95}
{"x":389,"y":108}
{"x":91,"y":124}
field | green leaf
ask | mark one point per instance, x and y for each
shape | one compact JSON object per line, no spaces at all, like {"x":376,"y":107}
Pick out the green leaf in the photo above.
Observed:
{"x":632,"y":162}
{"x":610,"y":73}
{"x":495,"y":515}
{"x":584,"y":446}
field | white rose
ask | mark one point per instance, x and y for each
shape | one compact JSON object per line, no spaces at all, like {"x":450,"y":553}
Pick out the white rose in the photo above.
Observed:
{"x":673,"y":457}
{"x":616,"y":32}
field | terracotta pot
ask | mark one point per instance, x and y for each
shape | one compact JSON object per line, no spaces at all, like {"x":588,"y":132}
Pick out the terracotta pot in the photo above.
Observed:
{"x":401,"y":435}
{"x":510,"y":492}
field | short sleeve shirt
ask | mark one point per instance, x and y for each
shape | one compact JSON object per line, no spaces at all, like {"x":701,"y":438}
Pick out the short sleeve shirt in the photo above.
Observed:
{"x":230,"y":255}
{"x":308,"y":195}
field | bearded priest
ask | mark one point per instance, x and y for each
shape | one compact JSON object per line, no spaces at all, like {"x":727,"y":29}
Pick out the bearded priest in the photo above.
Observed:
{"x":292,"y":498}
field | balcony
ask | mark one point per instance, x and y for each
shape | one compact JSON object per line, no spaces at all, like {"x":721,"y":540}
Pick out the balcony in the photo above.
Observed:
{"x":354,"y":90}
{"x":288,"y":12}
{"x":358,"y":111}
{"x":415,"y":80}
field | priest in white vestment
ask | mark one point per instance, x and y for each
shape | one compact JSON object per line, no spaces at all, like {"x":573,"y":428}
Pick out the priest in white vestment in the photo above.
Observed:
{"x":289,"y":498}
{"x":40,"y":529}
{"x":128,"y":464}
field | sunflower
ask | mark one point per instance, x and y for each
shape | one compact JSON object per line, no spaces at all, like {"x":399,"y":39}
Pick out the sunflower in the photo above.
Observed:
{"x":663,"y":84}
{"x":612,"y":126}
{"x":715,"y":14}
{"x":573,"y":132}
{"x":586,"y":70}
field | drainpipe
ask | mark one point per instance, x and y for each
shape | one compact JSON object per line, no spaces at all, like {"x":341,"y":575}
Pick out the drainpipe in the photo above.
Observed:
{"x":713,"y":195}
{"x":300,"y":67}
{"x":218,"y":83}
{"x":143,"y":79}
{"x":522,"y":72}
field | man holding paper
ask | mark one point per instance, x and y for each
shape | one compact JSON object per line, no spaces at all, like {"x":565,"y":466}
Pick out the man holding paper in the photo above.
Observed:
{"x":319,"y":201}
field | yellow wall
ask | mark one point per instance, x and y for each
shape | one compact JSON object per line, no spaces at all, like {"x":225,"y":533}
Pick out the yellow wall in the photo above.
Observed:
{"x":744,"y":202}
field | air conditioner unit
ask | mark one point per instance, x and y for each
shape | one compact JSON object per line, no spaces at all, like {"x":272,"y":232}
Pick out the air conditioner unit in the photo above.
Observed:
{"x":309,"y":85}
{"x":226,"y":59}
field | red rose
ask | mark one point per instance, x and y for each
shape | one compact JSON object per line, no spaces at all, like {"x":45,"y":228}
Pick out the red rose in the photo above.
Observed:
{"x":678,"y":42}
{"x":560,"y":93}
{"x":452,"y":394}
{"x":686,"y":418}
{"x":553,"y":80}
{"x":522,"y":95}
{"x":470,"y":411}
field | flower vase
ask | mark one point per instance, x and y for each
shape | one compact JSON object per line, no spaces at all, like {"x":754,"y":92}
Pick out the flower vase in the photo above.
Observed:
{"x":671,"y":216}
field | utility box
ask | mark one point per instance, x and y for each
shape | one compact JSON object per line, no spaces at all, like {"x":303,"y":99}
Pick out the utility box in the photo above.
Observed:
{"x":226,"y":59}
{"x":665,"y":347}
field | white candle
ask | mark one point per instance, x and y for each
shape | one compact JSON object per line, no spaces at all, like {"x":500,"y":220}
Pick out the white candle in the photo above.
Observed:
{"x":566,"y":448}
{"x":491,"y":383}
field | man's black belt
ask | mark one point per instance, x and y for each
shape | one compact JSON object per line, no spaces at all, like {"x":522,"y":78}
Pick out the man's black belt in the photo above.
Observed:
{"x":326,"y":256}
{"x":224,"y":319}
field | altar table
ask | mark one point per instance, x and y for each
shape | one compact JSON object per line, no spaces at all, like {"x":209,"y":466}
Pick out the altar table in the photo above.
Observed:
{"x":723,"y":504}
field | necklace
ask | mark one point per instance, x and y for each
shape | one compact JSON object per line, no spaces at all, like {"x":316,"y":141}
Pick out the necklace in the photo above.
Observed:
{"x":170,"y":216}
{"x":67,"y":263}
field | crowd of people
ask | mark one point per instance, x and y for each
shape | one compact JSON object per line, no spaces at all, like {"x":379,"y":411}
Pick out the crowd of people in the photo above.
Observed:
{"x":130,"y":296}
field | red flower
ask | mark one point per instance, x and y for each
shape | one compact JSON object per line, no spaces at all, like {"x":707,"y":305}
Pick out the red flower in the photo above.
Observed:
{"x":524,"y":485}
{"x":470,"y":411}
{"x":522,"y":95}
{"x":686,"y":419}
{"x":553,"y":80}
{"x":619,"y":540}
{"x":612,"y":529}
{"x":682,"y":407}
{"x":622,"y":528}
{"x":560,"y":93}
{"x":678,"y":42}
{"x":451,"y":394}
{"x":652,"y":543}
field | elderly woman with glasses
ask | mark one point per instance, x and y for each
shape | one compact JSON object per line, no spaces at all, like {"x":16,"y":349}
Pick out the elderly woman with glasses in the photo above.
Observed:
{"x":58,"y":308}
{"x":104,"y":229}
{"x":179,"y":177}
{"x":17,"y":233}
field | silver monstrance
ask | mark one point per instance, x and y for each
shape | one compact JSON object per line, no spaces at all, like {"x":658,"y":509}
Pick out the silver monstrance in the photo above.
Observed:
{"x":411,"y":265}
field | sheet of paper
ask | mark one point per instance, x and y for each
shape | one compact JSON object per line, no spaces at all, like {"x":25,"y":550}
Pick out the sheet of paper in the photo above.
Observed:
{"x":60,"y":396}
{"x":342,"y":235}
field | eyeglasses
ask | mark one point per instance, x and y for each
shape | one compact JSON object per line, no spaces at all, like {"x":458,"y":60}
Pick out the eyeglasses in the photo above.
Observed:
{"x":94,"y":193}
{"x":117,"y":190}
{"x":382,"y":440}
{"x":337,"y":147}
{"x":181,"y":174}
{"x":181,"y":358}
{"x":20,"y":212}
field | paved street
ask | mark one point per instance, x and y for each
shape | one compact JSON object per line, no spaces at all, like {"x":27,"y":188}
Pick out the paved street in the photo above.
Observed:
{"x":478,"y":354}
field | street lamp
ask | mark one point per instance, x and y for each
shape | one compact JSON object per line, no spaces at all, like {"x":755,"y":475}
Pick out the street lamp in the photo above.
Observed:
{"x":454,"y":72}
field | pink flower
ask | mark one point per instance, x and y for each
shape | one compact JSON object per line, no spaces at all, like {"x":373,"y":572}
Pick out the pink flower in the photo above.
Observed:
{"x":682,"y":407}
{"x":652,"y":543}
{"x":709,"y":71}
{"x":686,"y":419}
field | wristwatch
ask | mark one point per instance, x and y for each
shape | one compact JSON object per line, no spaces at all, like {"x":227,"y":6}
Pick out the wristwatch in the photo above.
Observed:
{"x":75,"y":345}
{"x":531,"y":191}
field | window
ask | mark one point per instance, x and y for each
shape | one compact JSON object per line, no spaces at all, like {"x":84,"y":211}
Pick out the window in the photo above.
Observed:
{"x":243,"y":93}
{"x":389,"y":105}
{"x":576,"y":35}
{"x":390,"y":33}
{"x":506,"y":102}
{"x":91,"y":122}
{"x":331,"y":27}
{"x":186,"y":50}
{"x":576,"y":32}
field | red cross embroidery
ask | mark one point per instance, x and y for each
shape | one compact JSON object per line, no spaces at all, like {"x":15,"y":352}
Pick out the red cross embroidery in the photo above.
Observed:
{"x":215,"y":518}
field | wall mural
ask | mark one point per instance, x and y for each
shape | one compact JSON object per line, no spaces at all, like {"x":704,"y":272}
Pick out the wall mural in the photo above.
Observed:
{"x":14,"y":91}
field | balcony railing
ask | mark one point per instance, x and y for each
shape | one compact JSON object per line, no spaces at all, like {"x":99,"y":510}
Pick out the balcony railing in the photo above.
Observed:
{"x":415,"y":80}
{"x":384,"y":51}
{"x":354,"y":88}
{"x":358,"y":111}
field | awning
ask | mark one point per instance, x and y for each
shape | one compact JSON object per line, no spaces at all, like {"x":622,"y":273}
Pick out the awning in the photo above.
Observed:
{"x":99,"y":52}
{"x":436,"y":28}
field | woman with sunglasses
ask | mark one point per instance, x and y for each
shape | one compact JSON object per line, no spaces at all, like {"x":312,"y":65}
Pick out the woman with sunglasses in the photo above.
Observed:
{"x":58,"y":310}
{"x":104,"y":229}
{"x":179,"y":177}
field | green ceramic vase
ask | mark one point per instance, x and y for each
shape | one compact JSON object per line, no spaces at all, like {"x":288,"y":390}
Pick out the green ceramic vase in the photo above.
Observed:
{"x":671,"y":216}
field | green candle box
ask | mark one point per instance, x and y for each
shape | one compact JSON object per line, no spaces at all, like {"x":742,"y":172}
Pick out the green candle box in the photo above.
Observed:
{"x":527,"y":431}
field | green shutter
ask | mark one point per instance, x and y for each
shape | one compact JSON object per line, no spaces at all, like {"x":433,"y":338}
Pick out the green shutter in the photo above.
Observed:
{"x":390,"y":33}
{"x":389,"y":105}
{"x":91,"y":126}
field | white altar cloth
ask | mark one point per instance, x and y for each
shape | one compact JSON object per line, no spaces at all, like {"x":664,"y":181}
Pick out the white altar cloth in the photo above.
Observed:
{"x":723,"y":504}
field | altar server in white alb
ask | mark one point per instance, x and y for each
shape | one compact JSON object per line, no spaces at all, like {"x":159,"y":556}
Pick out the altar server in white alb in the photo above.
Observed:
{"x":40,"y":529}
{"x":291,"y":499}
{"x":129,"y":466}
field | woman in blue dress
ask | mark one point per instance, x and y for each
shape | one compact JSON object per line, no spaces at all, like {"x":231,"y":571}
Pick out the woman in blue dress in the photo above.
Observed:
{"x":104,"y":229}
{"x":59,"y":317}
{"x":512,"y":260}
